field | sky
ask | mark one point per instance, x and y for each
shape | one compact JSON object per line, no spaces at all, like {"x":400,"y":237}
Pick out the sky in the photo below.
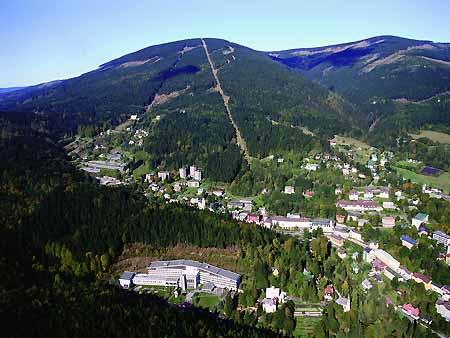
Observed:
{"x":44,"y":40}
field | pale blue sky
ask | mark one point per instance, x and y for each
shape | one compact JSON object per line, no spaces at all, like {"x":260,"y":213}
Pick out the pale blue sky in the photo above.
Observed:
{"x":43,"y":40}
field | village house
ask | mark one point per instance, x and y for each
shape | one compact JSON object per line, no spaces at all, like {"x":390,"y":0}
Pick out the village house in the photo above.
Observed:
{"x":408,"y":241}
{"x":198,"y":175}
{"x":126,"y":279}
{"x":218,"y":193}
{"x":443,"y":308}
{"x":193,"y":184}
{"x":344,"y":302}
{"x":384,"y":192}
{"x":419,"y":278}
{"x":368,"y":254}
{"x":163,"y":175}
{"x":388,"y":205}
{"x":327,"y":225}
{"x":337,"y":191}
{"x":337,"y":240}
{"x":269,"y":305}
{"x":192,"y":170}
{"x":388,"y":222}
{"x":183,"y":172}
{"x":368,"y":193}
{"x":328,"y":293}
{"x":289,"y":189}
{"x":340,"y":218}
{"x":419,"y":220}
{"x":253,"y":218}
{"x":341,"y":253}
{"x":411,"y":311}
{"x":353,"y":195}
{"x":355,"y":235}
{"x":441,"y":237}
{"x":361,"y":206}
{"x":387,"y":259}
{"x":404,"y":272}
{"x":311,"y":166}
{"x":308,"y":194}
{"x":366,"y":284}
{"x":422,"y":231}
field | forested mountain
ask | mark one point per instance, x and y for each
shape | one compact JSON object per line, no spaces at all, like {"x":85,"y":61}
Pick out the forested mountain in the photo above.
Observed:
{"x":381,"y":76}
{"x":175,"y":82}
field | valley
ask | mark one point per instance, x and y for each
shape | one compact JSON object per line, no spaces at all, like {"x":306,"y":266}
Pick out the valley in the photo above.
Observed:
{"x":206,"y":188}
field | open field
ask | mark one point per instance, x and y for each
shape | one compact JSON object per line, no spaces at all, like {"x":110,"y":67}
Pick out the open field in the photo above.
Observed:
{"x":305,"y":327}
{"x":442,"y":181}
{"x":434,"y":136}
{"x":207,"y":300}
{"x":341,"y":140}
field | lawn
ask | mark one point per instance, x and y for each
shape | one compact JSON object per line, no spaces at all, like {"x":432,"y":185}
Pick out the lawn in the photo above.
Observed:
{"x":207,"y":300}
{"x":305,"y":326}
{"x":434,"y":136}
{"x":442,"y":181}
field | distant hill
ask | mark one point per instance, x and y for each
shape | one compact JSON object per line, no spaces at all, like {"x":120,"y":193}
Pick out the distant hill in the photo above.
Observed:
{"x":380,"y":75}
{"x":362,"y":88}
{"x":9,"y":89}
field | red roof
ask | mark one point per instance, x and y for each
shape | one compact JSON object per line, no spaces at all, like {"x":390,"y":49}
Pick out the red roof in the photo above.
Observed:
{"x":411,"y":309}
{"x":423,"y":278}
{"x":329,"y":290}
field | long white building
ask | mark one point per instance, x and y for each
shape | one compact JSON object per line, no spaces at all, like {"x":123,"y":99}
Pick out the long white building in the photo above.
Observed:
{"x":189,"y":274}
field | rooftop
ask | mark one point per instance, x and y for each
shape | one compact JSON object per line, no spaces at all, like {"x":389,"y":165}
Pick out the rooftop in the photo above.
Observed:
{"x":202,"y":266}
{"x":127,"y":275}
{"x":408,"y":239}
{"x":420,"y":216}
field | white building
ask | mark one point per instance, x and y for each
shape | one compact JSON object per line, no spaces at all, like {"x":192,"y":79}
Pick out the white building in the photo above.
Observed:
{"x":387,"y":259}
{"x":274,"y":292}
{"x":183,"y":172}
{"x":193,"y":184}
{"x":198,"y":175}
{"x":269,"y":305}
{"x":419,"y":219}
{"x":221,"y":278}
{"x":353,"y":195}
{"x":163,"y":175}
{"x":289,"y":189}
{"x":290,"y":222}
{"x":441,"y":237}
{"x":126,"y":279}
{"x":311,"y":167}
{"x":192,"y":170}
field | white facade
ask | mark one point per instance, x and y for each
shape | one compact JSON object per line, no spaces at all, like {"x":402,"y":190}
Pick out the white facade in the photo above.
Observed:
{"x":192,"y":170}
{"x":289,"y":189}
{"x":198,"y":175}
{"x":207,"y":273}
{"x":183,"y":172}
{"x":387,"y":259}
{"x":163,"y":175}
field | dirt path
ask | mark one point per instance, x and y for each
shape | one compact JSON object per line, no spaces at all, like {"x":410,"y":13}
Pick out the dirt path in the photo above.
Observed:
{"x":240,"y":141}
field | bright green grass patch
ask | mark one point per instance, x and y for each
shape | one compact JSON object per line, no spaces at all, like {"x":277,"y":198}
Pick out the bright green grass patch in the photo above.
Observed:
{"x":141,"y":171}
{"x":442,"y":181}
{"x":434,"y":136}
{"x":207,"y":300}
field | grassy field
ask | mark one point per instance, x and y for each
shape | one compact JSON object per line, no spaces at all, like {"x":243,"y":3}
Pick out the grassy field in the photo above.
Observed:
{"x":207,"y":300}
{"x":434,"y":136}
{"x":305,"y":327}
{"x":442,"y":181}
{"x":341,"y":140}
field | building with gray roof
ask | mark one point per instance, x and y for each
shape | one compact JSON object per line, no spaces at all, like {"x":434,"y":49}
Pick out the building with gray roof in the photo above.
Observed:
{"x":206,"y":273}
